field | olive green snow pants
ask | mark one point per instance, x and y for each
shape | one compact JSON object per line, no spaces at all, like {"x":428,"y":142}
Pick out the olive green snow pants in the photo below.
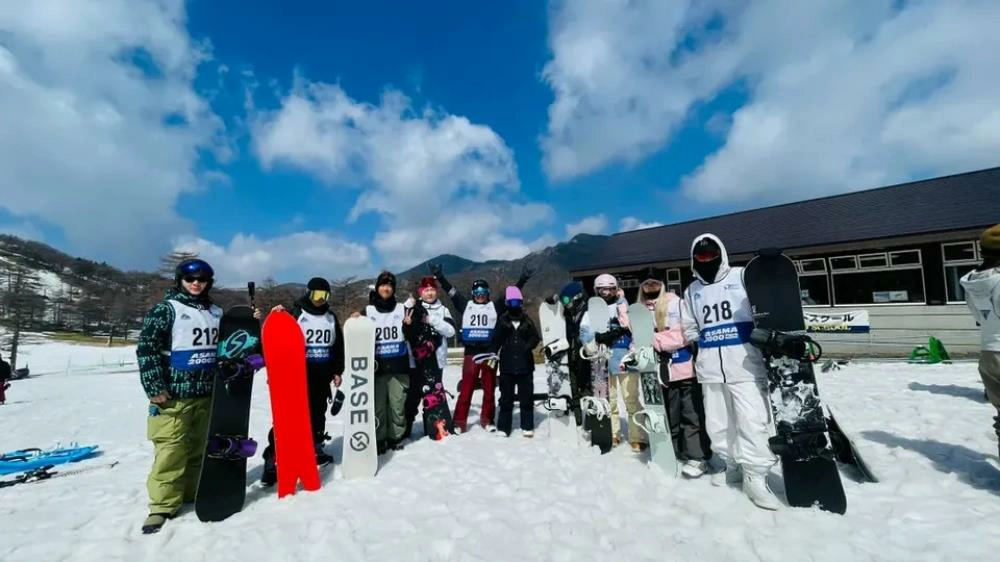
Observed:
{"x":178,"y":430}
{"x":989,"y":370}
{"x":628,"y":385}
{"x":390,"y":406}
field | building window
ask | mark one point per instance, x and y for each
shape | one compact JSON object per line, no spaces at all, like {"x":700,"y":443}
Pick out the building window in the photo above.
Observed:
{"x":628,"y":283}
{"x":869,"y":261}
{"x":893,"y":278}
{"x":674,"y":288}
{"x":906,"y":257}
{"x":844,"y":263}
{"x":813,"y":266}
{"x":959,"y":259}
{"x":815,"y":290}
{"x":673,"y":276}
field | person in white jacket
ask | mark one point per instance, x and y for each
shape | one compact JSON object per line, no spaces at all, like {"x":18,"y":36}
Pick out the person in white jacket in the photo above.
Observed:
{"x":982,"y":295}
{"x":716,"y":314}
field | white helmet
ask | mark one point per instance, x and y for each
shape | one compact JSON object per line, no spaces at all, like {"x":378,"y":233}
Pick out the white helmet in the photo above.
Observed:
{"x":605,"y":281}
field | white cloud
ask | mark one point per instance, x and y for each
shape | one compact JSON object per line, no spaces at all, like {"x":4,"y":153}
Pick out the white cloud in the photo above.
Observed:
{"x":596,"y":224}
{"x":632,"y":223}
{"x":842,"y":94}
{"x":297,"y":256}
{"x":102,"y":125}
{"x":438,"y":182}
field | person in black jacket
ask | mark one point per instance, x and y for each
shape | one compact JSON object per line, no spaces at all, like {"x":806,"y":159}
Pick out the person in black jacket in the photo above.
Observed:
{"x":479,"y":317}
{"x":324,"y":365}
{"x":516,"y":337}
{"x":5,"y":374}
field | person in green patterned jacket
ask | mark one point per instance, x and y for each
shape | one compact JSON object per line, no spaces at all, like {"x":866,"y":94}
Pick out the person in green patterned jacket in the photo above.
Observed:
{"x":176,"y":353}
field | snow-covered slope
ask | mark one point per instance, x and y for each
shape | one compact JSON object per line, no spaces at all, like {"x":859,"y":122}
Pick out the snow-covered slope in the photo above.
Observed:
{"x":925,"y":429}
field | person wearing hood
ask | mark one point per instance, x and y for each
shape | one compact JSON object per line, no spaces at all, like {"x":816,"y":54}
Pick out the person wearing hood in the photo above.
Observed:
{"x":716,"y":314}
{"x":429,"y":309}
{"x":324,"y":366}
{"x":982,"y":296}
{"x":682,"y":393}
{"x":479,"y":320}
{"x":177,"y":368}
{"x":617,"y":336}
{"x":392,"y":361}
{"x":516,"y":338}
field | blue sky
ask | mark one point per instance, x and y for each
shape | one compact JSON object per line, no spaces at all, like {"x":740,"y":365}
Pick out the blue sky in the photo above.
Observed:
{"x":301,"y":138}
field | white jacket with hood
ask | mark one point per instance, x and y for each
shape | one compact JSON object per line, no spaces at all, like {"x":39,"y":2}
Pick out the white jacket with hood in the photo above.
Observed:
{"x":718,"y":316}
{"x":982,"y":295}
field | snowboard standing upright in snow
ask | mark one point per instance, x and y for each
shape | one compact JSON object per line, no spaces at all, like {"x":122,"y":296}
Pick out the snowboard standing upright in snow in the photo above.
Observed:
{"x":808,"y":463}
{"x":555,"y":346}
{"x":222,"y":481}
{"x":285,"y":355}
{"x":360,"y":458}
{"x":596,"y":408}
{"x":653,"y":416}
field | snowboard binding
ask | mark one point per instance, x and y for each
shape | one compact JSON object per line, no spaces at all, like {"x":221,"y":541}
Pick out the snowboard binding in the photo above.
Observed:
{"x":801,"y":446}
{"x":231,"y":447}
{"x":655,"y":423}
{"x":799,"y":347}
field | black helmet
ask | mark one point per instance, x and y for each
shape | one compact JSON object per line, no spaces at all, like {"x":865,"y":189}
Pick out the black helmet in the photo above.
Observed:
{"x":481,"y":287}
{"x":318,"y":284}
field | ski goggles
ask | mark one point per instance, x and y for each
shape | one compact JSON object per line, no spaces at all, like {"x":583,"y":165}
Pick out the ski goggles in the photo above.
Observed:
{"x":514,"y":303}
{"x":318,"y":295}
{"x":481,"y":292}
{"x":706,"y":255}
{"x":196,"y":279}
{"x":607,"y":290}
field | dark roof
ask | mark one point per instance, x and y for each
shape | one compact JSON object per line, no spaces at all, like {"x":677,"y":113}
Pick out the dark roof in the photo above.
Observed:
{"x":962,"y":201}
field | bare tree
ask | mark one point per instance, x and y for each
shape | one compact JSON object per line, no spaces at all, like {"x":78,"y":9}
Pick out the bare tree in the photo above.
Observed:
{"x":21,"y":302}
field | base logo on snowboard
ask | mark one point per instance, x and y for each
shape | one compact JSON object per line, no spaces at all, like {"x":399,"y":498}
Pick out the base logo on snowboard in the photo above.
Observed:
{"x":360,"y":457}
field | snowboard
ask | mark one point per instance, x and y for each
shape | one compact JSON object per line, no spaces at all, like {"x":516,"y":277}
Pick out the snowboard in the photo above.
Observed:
{"x":808,"y":463}
{"x":360,"y":458}
{"x":657,"y":426}
{"x":438,"y":423}
{"x":222,"y":480}
{"x":558,"y":402}
{"x":597,"y":408}
{"x":24,"y":460}
{"x":285,"y":355}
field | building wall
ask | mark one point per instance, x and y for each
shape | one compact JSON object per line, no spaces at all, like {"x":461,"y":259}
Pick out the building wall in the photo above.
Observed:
{"x":897,"y":329}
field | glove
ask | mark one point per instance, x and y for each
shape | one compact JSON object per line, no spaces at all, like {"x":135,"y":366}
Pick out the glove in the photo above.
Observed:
{"x":551,"y":300}
{"x":436,"y":270}
{"x":526,"y":273}
{"x":609,"y":337}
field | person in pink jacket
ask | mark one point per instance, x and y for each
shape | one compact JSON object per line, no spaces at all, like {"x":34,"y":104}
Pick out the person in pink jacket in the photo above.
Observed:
{"x":685,"y":411}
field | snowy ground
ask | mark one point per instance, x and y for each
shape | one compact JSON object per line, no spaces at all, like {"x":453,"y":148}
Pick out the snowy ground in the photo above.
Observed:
{"x":926,"y":430}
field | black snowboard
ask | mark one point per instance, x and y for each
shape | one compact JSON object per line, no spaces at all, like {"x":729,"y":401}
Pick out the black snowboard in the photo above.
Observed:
{"x":222,"y":483}
{"x":808,"y":463}
{"x":424,"y":341}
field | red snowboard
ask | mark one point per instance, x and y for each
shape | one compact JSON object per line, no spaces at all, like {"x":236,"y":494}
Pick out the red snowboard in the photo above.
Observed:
{"x":285,"y":356}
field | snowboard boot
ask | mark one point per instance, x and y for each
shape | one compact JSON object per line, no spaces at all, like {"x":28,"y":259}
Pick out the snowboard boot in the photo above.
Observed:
{"x":380,"y":446}
{"x":490,"y":428}
{"x":755,"y":487}
{"x":730,"y":476}
{"x":269,"y":476}
{"x":154,"y":522}
{"x":528,"y":433}
{"x":395,"y":445}
{"x":639,"y":446}
{"x":693,"y":468}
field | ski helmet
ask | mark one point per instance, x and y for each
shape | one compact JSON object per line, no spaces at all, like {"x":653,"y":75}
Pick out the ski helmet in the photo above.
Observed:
{"x":194,"y":268}
{"x":318,"y":284}
{"x":605,"y":281}
{"x":572,"y":296}
{"x":480,"y":288}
